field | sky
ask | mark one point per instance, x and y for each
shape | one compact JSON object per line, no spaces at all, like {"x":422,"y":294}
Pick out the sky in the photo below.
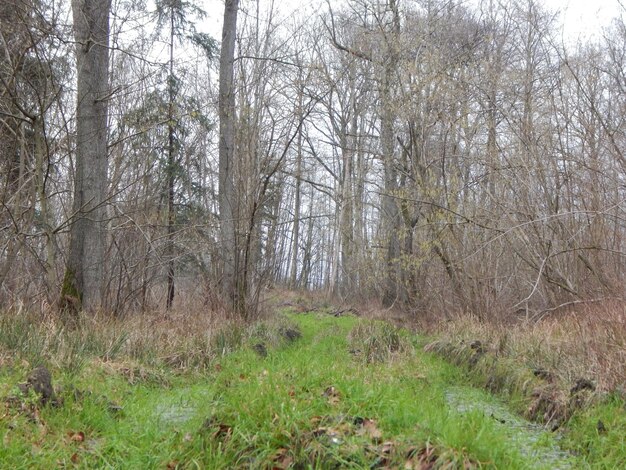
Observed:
{"x":585,"y":18}
{"x":581,"y":19}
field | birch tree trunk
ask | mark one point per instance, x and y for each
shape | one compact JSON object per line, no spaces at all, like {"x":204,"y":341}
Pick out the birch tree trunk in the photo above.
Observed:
{"x":84,"y":277}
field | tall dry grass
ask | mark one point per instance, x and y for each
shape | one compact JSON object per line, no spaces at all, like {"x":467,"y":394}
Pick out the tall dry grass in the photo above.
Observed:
{"x":176,"y":339}
{"x":586,"y":342}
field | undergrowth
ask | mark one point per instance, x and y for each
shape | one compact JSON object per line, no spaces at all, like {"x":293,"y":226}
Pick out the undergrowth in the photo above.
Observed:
{"x":178,"y":341}
{"x":292,"y":391}
{"x":550,"y":373}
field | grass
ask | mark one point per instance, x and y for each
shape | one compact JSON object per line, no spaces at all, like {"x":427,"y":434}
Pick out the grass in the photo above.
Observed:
{"x":347,"y":393}
{"x":536,"y":368}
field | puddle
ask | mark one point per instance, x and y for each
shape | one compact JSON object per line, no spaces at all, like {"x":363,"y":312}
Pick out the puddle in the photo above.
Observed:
{"x":175,"y":413}
{"x":181,"y":408}
{"x":531,"y":439}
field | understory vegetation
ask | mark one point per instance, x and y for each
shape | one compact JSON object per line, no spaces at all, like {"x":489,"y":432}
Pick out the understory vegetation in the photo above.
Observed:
{"x":357,"y":234}
{"x":308,"y":387}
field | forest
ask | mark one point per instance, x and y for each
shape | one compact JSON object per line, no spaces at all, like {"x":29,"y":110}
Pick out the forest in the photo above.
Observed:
{"x":427,"y":154}
{"x":447,"y":176}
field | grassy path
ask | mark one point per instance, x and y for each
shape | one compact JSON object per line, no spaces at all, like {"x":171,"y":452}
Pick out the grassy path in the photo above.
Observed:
{"x":348,"y":394}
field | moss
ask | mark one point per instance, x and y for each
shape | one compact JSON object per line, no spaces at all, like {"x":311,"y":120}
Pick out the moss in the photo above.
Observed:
{"x":71,"y":298}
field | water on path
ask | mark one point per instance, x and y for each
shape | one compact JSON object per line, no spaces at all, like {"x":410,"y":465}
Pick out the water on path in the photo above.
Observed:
{"x":533,"y":441}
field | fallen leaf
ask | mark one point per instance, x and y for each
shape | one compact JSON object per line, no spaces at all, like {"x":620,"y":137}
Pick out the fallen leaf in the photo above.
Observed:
{"x":333,"y":395}
{"x":76,"y":436}
{"x":172,"y":465}
{"x":315,"y":420}
{"x":387,"y":447}
{"x":218,"y":367}
{"x":333,"y":434}
{"x":282,"y":460}
{"x":222,"y":431}
{"x":370,"y":430}
{"x":75,"y":458}
{"x":319,"y":431}
{"x":421,"y":458}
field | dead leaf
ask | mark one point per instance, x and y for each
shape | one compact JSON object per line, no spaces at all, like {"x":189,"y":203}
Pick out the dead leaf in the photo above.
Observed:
{"x":315,"y":420}
{"x":218,"y":367}
{"x":333,"y":395}
{"x":76,"y":436}
{"x":370,"y":429}
{"x":223,"y":431}
{"x":387,"y":448}
{"x":216,"y":430}
{"x":334,"y":435}
{"x":75,"y":458}
{"x":282,"y":460}
{"x":421,"y":458}
{"x":383,"y":455}
{"x":172,"y":465}
{"x":319,"y":431}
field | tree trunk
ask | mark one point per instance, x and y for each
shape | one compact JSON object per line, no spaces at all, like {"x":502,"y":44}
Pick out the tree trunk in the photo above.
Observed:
{"x":171,"y":162}
{"x":293,"y":277}
{"x":227,"y":202}
{"x":83,"y":284}
{"x":390,"y":211}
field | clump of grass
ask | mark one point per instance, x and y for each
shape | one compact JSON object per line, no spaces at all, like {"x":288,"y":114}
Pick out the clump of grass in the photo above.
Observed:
{"x":376,"y":341}
{"x":274,"y":331}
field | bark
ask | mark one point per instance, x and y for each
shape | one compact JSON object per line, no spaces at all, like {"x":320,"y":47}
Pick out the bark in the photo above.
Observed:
{"x":84,"y":274}
{"x":227,"y":202}
{"x":171,"y":161}
{"x":390,"y":211}
{"x":293,"y":277}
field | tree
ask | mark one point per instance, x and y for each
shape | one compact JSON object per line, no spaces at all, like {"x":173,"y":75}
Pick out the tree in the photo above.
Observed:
{"x":227,"y":202}
{"x":83,"y":282}
{"x":31,"y":92}
{"x":174,"y":13}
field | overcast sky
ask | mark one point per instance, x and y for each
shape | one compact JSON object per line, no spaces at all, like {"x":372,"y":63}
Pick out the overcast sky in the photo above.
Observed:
{"x":585,"y":18}
{"x":581,"y":18}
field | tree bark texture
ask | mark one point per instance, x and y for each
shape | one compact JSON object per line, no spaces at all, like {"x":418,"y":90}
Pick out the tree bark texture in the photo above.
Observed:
{"x":227,"y":202}
{"x":85,"y":268}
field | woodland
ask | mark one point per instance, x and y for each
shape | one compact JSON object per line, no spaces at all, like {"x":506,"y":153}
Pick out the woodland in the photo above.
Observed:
{"x":434,"y":156}
{"x":345,"y":234}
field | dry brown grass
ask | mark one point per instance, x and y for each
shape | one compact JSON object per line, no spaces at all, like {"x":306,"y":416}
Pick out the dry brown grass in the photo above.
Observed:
{"x":587,"y":343}
{"x":176,"y":339}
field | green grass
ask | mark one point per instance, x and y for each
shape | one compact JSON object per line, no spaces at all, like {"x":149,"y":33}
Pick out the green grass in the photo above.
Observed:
{"x":348,"y":394}
{"x":598,"y":433}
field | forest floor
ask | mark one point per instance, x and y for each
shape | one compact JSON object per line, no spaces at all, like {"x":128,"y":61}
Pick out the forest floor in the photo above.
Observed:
{"x":299,"y":390}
